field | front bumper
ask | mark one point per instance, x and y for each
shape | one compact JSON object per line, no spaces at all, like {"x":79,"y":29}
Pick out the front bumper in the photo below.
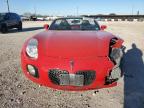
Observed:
{"x":75,"y":77}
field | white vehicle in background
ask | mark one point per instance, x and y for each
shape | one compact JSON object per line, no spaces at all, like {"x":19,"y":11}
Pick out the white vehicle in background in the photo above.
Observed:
{"x":24,"y":18}
{"x":40,"y":18}
{"x":50,"y":18}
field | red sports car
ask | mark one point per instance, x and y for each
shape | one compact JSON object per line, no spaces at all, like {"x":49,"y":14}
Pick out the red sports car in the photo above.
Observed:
{"x":73,"y":54}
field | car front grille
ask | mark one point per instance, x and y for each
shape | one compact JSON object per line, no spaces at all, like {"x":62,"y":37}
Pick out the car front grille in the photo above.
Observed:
{"x":89,"y":76}
{"x":55,"y":76}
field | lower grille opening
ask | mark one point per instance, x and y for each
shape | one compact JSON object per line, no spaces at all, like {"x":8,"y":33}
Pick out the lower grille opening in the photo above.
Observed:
{"x":54,"y":75}
{"x":89,"y":76}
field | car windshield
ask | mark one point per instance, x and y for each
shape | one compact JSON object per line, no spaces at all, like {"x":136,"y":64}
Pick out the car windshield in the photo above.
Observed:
{"x":87,"y":24}
{"x":1,"y":16}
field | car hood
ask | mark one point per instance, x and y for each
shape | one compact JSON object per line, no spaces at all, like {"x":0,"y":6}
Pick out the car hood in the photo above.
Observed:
{"x":70,"y":44}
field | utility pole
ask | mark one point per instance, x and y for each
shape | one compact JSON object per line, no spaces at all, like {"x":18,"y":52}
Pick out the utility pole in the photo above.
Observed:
{"x":138,"y":12}
{"x":132,"y":9}
{"x":35,"y":10}
{"x":8,"y":6}
{"x":77,"y":9}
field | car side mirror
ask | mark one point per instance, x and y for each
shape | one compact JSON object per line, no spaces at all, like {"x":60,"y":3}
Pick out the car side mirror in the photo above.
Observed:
{"x":46,"y":26}
{"x":103,"y":27}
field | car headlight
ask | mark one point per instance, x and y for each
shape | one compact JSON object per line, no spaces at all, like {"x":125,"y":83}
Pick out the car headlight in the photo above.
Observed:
{"x":32,"y":48}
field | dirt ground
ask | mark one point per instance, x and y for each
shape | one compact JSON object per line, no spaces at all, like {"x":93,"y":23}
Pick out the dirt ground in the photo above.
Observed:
{"x":16,"y":91}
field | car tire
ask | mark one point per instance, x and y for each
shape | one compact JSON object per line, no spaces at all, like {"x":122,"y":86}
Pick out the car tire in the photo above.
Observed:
{"x":4,"y":29}
{"x":20,"y":26}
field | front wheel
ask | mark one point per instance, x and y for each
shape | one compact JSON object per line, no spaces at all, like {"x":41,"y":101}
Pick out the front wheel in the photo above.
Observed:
{"x":20,"y":26}
{"x":4,"y":29}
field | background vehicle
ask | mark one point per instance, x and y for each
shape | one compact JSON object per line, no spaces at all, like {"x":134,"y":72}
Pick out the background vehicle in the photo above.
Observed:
{"x":9,"y":21}
{"x":73,"y":54}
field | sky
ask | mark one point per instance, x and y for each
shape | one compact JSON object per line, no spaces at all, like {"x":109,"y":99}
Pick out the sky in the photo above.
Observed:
{"x":74,"y":7}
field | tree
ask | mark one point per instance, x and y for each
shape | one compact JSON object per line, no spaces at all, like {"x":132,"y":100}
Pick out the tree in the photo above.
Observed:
{"x":112,"y":14}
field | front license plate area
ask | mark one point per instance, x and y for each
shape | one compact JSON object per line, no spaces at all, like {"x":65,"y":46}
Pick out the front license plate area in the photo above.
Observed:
{"x":64,"y":79}
{"x":71,"y":79}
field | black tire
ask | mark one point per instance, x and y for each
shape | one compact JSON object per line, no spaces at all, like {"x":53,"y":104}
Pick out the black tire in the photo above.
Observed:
{"x":20,"y":26}
{"x":4,"y":29}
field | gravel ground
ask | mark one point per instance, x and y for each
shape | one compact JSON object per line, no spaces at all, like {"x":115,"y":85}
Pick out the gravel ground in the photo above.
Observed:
{"x":16,"y":91}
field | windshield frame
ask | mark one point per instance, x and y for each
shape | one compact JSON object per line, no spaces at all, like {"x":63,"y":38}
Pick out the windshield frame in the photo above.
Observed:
{"x":80,"y":18}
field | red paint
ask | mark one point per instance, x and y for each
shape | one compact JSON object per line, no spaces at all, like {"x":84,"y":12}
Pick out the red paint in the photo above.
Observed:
{"x":118,"y":43}
{"x":103,"y":27}
{"x":46,"y":26}
{"x":88,"y":49}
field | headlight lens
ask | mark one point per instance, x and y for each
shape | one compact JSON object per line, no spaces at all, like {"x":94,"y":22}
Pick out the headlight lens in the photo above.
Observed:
{"x":32,"y":48}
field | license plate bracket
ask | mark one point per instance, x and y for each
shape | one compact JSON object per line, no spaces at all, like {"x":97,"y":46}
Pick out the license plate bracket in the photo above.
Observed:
{"x":71,"y":79}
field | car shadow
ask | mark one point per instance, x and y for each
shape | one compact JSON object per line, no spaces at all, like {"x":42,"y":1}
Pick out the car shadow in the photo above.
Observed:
{"x":133,"y":68}
{"x":25,"y":29}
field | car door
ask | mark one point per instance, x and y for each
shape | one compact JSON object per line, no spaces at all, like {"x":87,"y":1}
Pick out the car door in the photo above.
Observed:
{"x":13,"y":20}
{"x":8,"y":20}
